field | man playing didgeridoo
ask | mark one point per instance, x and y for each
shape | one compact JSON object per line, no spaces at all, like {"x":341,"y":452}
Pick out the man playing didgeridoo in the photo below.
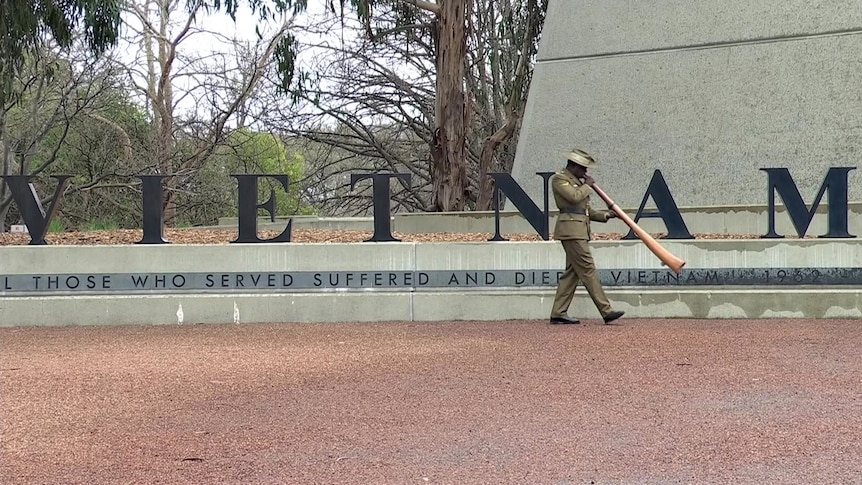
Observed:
{"x":572,"y":187}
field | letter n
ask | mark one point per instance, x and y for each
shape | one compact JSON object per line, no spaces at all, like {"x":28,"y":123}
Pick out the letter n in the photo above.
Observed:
{"x":503,"y":182}
{"x":835,"y":183}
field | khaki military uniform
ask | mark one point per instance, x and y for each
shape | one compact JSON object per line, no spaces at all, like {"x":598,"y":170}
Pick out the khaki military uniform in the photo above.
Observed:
{"x":573,"y":231}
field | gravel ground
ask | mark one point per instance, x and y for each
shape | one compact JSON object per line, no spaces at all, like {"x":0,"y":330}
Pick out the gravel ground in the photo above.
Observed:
{"x":647,"y":401}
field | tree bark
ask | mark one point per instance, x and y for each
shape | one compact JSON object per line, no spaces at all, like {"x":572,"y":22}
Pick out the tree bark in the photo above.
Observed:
{"x":486,"y":161}
{"x":449,"y":144}
{"x":165,"y":101}
{"x":6,"y":155}
{"x":513,"y":109}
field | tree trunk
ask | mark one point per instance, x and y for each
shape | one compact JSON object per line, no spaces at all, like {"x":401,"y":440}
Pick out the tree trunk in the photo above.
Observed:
{"x":449,"y":146}
{"x":520,"y":40}
{"x":165,"y":154}
{"x":165,"y":129}
{"x":6,"y":154}
{"x":486,"y":161}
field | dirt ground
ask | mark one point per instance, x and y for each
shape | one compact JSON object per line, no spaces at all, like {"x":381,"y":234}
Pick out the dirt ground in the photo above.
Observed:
{"x":521,"y":402}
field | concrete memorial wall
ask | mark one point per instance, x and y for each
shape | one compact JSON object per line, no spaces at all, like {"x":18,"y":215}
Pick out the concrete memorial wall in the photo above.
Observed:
{"x":706,"y":91}
{"x":304,"y":282}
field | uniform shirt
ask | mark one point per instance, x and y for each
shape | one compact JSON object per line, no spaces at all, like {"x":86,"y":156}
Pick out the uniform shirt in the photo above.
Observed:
{"x":570,"y":193}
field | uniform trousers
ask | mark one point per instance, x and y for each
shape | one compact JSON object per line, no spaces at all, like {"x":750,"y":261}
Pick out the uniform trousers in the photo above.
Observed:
{"x":580,"y":268}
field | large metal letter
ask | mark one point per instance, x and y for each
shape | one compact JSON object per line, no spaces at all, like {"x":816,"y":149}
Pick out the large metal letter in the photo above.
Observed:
{"x":152,"y":206}
{"x":503,"y":182}
{"x":779,"y":180}
{"x":247,"y":207}
{"x":665,"y":208}
{"x":380,"y":193}
{"x":24,"y":195}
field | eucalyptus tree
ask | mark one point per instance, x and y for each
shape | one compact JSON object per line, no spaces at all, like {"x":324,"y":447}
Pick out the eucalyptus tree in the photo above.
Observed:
{"x":481,"y":54}
{"x":444,"y":26}
{"x":56,"y":90}
{"x":446,"y":23}
{"x":503,"y":42}
{"x":167,"y":68}
{"x":25,"y":24}
{"x":193,"y":91}
{"x":365,"y":106}
{"x":373,"y":102}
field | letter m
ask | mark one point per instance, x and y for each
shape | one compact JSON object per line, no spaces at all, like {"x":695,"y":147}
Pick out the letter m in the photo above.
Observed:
{"x":835,"y":185}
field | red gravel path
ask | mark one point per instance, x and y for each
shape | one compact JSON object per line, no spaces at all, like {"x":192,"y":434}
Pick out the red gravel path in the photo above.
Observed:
{"x":649,"y":401}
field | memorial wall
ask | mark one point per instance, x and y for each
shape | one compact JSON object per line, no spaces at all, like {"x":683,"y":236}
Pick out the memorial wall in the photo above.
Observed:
{"x":706,"y":91}
{"x":399,"y":281}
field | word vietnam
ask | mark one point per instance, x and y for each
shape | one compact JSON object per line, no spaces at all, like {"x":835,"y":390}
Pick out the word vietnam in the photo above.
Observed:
{"x":779,"y":181}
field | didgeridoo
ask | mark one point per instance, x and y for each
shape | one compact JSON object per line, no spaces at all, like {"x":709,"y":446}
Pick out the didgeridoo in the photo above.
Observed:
{"x":663,"y":254}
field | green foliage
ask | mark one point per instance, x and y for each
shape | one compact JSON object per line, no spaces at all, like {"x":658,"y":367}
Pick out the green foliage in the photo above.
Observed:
{"x":102,"y":225}
{"x":94,"y":152}
{"x":290,"y":80}
{"x":56,"y":225}
{"x":265,"y":9}
{"x":286,"y":49}
{"x":24,"y":23}
{"x":252,"y":152}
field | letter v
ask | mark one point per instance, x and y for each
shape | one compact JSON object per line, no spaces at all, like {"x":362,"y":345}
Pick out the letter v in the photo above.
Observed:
{"x":29,"y":206}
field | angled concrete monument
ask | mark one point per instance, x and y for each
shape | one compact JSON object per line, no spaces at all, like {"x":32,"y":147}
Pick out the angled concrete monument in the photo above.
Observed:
{"x":707,"y":91}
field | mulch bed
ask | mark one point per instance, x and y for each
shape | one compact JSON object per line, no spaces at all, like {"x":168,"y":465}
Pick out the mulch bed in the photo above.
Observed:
{"x":225,"y":236}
